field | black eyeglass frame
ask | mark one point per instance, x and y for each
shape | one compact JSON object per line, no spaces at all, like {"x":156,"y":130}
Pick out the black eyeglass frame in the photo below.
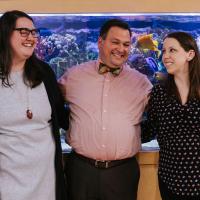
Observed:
{"x":34,"y":32}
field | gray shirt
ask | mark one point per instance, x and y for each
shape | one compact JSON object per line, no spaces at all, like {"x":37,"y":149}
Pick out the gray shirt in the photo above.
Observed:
{"x":27,"y":148}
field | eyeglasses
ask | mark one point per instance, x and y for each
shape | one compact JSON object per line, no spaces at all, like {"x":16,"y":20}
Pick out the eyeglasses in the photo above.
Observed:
{"x":25,"y":32}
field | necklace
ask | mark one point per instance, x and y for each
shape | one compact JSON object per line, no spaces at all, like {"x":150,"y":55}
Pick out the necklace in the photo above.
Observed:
{"x":23,"y":94}
{"x":29,"y":113}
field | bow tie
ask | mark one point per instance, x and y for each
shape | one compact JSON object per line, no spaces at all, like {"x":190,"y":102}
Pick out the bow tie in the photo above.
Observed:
{"x":103,"y":68}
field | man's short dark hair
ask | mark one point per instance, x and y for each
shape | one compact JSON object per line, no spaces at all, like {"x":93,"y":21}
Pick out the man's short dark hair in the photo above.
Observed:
{"x":113,"y":23}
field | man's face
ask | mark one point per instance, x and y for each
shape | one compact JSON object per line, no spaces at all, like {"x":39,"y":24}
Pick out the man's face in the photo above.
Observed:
{"x":115,"y":48}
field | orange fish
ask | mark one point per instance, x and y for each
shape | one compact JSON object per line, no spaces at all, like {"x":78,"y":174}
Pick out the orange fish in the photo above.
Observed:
{"x":146,"y":42}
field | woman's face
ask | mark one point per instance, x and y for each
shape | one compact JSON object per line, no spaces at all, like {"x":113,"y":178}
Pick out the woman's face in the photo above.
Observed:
{"x":175,"y":58}
{"x":22,"y":41}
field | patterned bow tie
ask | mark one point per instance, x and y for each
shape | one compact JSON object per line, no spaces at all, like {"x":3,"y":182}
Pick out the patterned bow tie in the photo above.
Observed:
{"x":103,"y":68}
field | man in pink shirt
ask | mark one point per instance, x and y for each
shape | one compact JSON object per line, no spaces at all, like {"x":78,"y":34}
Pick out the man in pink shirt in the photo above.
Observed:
{"x":107,"y":99}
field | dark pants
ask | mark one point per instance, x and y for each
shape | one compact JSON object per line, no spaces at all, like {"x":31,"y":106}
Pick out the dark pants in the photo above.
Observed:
{"x":86,"y":182}
{"x":166,"y":194}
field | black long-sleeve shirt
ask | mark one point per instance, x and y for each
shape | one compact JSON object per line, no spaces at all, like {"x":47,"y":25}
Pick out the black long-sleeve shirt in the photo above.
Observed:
{"x":59,"y":120}
{"x":177,"y":128}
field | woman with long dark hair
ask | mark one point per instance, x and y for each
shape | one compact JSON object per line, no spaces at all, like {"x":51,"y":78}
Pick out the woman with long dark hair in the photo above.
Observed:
{"x":31,"y":113}
{"x":174,"y":116}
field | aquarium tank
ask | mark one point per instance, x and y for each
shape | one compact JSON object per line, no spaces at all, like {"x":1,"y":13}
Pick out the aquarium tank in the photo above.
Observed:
{"x":70,"y":39}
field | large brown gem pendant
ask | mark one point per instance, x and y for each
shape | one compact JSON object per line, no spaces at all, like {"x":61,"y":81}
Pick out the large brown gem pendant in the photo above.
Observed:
{"x":29,"y":114}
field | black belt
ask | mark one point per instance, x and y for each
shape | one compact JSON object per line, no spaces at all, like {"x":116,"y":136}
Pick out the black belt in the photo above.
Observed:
{"x":103,"y":164}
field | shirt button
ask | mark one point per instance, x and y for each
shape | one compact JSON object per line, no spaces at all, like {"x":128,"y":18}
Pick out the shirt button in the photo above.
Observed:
{"x":105,"y":111}
{"x":103,"y":145}
{"x":104,"y":128}
{"x":105,"y":95}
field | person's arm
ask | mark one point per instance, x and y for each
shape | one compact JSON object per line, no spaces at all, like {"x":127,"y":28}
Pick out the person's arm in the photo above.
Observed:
{"x":63,"y":111}
{"x":57,"y":101}
{"x":149,"y":126}
{"x":62,"y":85}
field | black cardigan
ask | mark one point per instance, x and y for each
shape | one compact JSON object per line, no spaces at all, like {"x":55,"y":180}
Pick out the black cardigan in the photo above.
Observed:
{"x":59,"y":119}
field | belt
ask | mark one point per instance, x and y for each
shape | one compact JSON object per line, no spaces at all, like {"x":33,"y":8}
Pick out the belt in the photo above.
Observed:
{"x":103,"y":164}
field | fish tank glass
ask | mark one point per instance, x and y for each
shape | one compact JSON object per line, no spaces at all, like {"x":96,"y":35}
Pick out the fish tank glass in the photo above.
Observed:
{"x":70,"y":39}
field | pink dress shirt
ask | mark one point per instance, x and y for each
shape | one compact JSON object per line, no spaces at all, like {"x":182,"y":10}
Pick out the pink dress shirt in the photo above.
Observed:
{"x":105,"y":110}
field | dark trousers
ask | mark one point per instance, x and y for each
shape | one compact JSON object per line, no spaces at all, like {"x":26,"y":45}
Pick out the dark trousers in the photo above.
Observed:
{"x":86,"y":182}
{"x":166,"y":194}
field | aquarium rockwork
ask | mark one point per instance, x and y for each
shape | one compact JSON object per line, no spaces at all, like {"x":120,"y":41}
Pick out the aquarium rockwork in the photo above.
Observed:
{"x":70,"y":39}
